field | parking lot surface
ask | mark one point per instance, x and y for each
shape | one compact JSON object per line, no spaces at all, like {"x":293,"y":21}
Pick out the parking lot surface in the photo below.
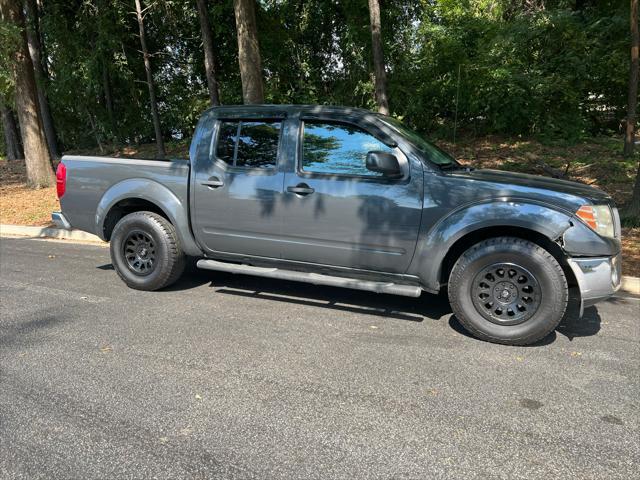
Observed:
{"x":224,"y":376}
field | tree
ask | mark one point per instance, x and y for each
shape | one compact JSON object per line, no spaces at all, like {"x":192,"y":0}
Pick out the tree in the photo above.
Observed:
{"x":35,"y":50}
{"x":633,"y":210}
{"x":36,"y":153}
{"x":152,"y":93}
{"x":380,"y":75}
{"x":11,"y":135}
{"x":209,"y":57}
{"x":108,"y":98}
{"x":249,"y":51}
{"x":632,"y":102}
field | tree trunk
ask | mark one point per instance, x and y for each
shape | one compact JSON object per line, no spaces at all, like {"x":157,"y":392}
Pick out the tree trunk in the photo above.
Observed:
{"x":249,"y":51}
{"x":108,"y":97}
{"x":632,"y":102}
{"x":11,"y":135}
{"x":152,"y":92}
{"x":633,"y":210}
{"x":380,"y":75}
{"x":35,"y":50}
{"x":209,"y":58}
{"x":39,"y":171}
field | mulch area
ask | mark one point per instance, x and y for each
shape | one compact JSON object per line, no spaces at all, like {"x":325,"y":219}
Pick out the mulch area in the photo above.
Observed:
{"x":631,"y":251}
{"x":597,"y":162}
{"x":20,"y":205}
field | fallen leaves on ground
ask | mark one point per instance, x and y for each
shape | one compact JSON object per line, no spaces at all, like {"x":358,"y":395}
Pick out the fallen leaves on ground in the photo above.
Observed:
{"x":20,"y":205}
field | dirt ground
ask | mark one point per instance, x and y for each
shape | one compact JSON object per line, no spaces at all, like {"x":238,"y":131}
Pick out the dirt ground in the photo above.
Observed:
{"x":20,"y":205}
{"x":596,"y":162}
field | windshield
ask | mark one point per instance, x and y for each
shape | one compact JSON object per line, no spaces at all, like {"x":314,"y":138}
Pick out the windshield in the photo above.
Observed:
{"x":433,"y":153}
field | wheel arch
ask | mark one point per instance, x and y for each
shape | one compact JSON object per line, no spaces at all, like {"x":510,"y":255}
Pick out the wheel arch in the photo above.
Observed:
{"x":139,"y":194}
{"x":126,"y":206}
{"x":468,"y":240}
{"x":441,"y":245}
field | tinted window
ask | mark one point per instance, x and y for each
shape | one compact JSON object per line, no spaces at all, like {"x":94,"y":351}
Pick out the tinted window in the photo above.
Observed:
{"x":338,"y":149}
{"x":227,"y":141}
{"x":256,"y":145}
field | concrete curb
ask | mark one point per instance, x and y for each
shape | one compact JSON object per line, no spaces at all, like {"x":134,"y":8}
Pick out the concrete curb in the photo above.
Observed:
{"x":48,"y":232}
{"x":629,"y":284}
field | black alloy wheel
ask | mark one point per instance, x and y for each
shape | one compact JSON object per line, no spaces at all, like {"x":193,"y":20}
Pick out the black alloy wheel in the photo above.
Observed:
{"x":506,"y":293}
{"x":140,"y":252}
{"x":145,"y":251}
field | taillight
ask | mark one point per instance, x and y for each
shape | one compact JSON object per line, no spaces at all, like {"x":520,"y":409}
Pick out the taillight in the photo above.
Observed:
{"x":61,"y":179}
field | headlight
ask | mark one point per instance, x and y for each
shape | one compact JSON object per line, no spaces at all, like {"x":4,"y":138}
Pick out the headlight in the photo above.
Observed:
{"x":598,"y":217}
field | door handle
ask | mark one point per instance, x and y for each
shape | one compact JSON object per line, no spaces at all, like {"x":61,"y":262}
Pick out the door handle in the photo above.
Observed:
{"x":213,"y":182}
{"x":301,"y":189}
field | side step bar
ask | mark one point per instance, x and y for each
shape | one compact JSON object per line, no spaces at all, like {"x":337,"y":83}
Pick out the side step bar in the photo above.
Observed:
{"x":314,"y":278}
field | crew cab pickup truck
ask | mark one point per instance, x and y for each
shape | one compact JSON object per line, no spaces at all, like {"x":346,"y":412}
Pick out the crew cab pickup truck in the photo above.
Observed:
{"x":350,"y":198}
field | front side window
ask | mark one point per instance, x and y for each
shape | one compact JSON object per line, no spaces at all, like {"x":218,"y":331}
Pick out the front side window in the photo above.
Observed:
{"x":338,"y":149}
{"x":248,"y":144}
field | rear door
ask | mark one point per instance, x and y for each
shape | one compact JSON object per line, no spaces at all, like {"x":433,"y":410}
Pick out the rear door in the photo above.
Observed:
{"x":237,"y":187}
{"x":336,"y":212}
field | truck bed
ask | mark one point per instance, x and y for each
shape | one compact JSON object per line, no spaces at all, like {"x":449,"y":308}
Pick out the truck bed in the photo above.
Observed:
{"x":89,"y":178}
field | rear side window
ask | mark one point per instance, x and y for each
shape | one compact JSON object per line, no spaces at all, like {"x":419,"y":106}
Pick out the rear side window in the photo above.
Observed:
{"x":249,"y":144}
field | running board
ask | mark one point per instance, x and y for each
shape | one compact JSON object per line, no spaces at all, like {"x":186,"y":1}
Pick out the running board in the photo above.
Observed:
{"x":314,"y":278}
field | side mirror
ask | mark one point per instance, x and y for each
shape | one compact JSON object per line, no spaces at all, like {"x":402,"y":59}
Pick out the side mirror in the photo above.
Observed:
{"x":384,"y":163}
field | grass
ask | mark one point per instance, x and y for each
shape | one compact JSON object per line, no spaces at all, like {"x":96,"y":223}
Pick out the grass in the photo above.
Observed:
{"x":596,"y":161}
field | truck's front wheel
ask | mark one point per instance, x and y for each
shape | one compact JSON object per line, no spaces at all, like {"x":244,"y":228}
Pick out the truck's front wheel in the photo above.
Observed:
{"x":145,"y":251}
{"x":508,"y":290}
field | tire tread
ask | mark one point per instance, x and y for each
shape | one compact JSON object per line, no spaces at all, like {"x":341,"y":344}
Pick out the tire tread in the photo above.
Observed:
{"x":176,"y":258}
{"x":459,"y":269}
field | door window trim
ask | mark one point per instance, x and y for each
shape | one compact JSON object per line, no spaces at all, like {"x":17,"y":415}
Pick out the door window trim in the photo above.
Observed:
{"x":402,"y":158}
{"x":243,"y":169}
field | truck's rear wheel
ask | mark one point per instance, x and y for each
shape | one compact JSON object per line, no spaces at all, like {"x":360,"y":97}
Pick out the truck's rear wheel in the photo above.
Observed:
{"x":508,"y":290}
{"x":145,"y":251}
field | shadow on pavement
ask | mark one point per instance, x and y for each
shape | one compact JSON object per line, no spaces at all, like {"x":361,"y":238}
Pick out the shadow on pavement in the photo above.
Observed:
{"x":429,"y":306}
{"x":341,"y":299}
{"x":571,"y":326}
{"x":333,"y":298}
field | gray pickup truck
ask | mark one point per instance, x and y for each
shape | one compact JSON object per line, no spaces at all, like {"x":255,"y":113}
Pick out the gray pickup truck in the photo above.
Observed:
{"x":350,"y":198}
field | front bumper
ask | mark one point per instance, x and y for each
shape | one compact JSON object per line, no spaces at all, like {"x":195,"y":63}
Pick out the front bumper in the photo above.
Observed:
{"x":60,"y":220}
{"x":598,"y":278}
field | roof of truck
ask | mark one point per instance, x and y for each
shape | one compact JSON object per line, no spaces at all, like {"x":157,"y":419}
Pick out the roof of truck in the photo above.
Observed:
{"x":284,"y":109}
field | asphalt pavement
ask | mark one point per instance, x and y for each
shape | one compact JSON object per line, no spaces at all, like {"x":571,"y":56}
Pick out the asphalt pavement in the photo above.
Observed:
{"x":224,"y":376}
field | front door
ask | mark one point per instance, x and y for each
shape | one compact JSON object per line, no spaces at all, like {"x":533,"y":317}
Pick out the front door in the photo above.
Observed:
{"x":237,"y":186}
{"x":336,"y":212}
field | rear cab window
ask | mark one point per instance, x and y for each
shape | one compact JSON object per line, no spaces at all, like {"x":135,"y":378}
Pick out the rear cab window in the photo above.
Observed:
{"x":250,"y":144}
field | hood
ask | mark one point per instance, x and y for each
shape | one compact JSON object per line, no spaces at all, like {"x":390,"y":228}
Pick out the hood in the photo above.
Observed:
{"x":536,"y":182}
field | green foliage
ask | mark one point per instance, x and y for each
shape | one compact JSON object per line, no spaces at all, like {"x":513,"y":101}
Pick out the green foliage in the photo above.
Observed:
{"x":9,"y":42}
{"x":555,"y":72}
{"x":490,"y":66}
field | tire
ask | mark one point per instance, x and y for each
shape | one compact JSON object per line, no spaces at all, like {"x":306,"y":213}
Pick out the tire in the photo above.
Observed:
{"x":145,"y":251}
{"x":520,"y":307}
